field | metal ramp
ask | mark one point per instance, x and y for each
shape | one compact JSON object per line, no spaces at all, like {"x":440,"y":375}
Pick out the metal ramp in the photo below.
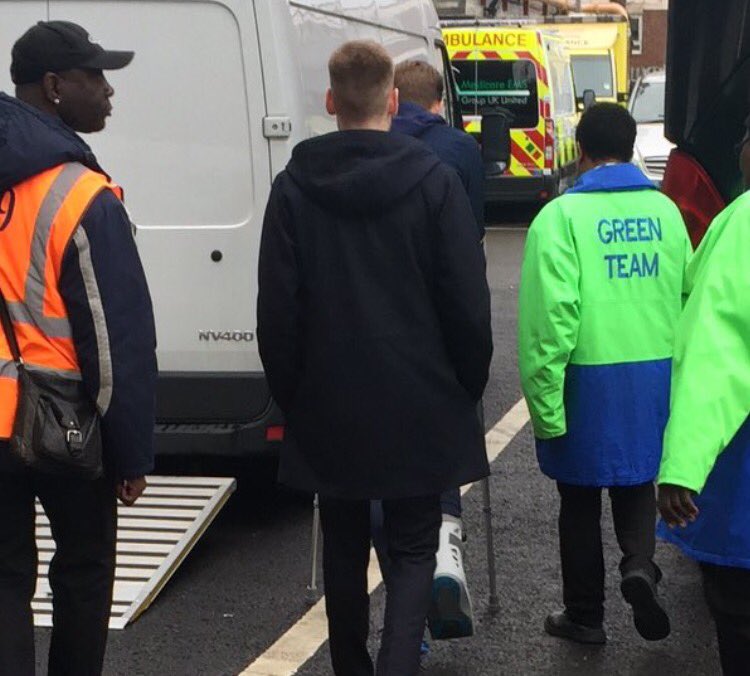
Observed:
{"x":153,"y":538}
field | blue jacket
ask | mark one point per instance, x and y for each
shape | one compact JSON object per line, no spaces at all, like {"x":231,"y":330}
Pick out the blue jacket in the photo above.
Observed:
{"x":453,"y":146}
{"x":31,"y":142}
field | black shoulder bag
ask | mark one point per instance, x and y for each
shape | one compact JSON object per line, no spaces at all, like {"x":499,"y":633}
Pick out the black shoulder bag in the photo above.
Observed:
{"x":57,"y":427}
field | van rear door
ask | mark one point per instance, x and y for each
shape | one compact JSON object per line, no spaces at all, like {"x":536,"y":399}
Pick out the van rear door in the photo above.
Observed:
{"x":186,"y":143}
{"x":510,"y":87}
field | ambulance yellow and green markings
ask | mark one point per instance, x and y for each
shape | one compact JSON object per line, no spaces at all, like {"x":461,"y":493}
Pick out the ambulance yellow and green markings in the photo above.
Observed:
{"x":508,"y":68}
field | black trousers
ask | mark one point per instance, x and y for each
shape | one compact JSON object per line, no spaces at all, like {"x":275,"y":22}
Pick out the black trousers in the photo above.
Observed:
{"x":728,"y":595}
{"x":83,"y":520}
{"x":412,"y":529}
{"x":634,"y":514}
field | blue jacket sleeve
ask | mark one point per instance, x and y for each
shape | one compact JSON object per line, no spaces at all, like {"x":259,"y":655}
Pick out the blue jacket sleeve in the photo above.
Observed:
{"x":472,"y":176}
{"x":461,"y":292}
{"x":104,"y":289}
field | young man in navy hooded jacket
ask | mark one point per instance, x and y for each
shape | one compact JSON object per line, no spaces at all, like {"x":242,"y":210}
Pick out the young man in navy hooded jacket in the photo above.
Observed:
{"x":421,"y":89}
{"x":374,"y":329}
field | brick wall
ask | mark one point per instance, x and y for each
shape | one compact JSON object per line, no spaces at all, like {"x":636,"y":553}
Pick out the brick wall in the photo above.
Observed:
{"x":654,"y":41}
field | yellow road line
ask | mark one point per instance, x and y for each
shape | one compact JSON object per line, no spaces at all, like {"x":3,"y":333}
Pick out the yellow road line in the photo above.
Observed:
{"x":301,"y":641}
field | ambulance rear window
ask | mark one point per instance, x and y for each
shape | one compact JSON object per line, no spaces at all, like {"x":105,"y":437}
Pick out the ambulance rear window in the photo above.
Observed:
{"x":593,"y":72}
{"x":490,"y":86}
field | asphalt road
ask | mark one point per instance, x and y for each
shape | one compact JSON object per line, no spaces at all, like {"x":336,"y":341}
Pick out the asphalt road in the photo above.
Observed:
{"x":244,"y":583}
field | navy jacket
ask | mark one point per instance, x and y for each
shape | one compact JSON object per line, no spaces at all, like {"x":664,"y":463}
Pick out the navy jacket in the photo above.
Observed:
{"x":374,"y":319}
{"x":31,"y":142}
{"x":456,"y":148}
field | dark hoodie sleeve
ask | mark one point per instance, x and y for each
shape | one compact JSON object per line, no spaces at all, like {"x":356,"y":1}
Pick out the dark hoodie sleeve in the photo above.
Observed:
{"x":104,"y":289}
{"x":472,"y":176}
{"x":462,"y":297}
{"x":279,"y":329}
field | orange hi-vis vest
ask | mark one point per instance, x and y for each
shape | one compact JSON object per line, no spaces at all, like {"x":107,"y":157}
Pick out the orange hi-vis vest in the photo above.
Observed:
{"x":38,"y":219}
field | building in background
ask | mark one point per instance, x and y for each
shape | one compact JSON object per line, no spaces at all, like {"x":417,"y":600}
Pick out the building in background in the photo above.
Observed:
{"x":648,"y":22}
{"x":487,"y":8}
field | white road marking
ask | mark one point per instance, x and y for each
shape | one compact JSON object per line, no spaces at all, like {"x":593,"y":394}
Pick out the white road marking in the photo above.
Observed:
{"x":301,"y":641}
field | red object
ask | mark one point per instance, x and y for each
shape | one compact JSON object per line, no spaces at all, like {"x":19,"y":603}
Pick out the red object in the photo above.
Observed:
{"x":275,"y":433}
{"x":691,"y":188}
{"x":549,"y":144}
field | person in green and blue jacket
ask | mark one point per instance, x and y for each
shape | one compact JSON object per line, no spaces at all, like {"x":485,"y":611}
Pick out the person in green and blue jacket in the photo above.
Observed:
{"x":704,"y":480}
{"x":601,"y":292}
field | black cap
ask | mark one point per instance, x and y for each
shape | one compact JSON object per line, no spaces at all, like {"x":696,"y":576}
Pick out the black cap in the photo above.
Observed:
{"x":54,"y":46}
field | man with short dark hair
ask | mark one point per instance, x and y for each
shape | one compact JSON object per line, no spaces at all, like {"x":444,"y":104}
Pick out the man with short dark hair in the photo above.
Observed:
{"x":374,"y":329}
{"x":420,"y":89}
{"x":81,"y":311}
{"x":420,"y":115}
{"x":601,"y":291}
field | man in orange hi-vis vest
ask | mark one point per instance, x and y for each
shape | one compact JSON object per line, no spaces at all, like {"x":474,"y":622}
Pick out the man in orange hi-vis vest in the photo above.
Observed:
{"x":80,"y":308}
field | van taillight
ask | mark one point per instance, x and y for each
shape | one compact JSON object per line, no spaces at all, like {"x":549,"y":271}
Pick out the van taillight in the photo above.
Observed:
{"x":275,"y":433}
{"x":549,"y":144}
{"x":691,"y":188}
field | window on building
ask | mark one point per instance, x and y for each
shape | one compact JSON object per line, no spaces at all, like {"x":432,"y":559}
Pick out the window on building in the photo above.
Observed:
{"x":636,"y":34}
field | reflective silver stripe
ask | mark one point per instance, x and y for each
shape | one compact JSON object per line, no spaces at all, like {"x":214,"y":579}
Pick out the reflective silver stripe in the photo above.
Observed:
{"x":104,"y":397}
{"x":31,"y":311}
{"x":62,"y":373}
{"x":53,"y":327}
{"x":8,"y":369}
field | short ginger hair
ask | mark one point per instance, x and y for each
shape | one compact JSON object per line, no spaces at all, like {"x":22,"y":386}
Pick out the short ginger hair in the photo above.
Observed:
{"x":419,"y":82}
{"x":361,"y":74}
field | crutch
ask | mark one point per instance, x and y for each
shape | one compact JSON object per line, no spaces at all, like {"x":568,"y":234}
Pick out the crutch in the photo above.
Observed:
{"x":493,"y":604}
{"x":312,"y":589}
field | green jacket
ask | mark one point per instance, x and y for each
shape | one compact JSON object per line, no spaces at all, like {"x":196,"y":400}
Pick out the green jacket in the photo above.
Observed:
{"x":601,"y":290}
{"x":707,"y":441}
{"x":711,"y":382}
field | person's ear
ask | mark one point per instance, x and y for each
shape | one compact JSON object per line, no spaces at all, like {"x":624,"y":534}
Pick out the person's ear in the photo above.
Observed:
{"x":330,"y":105}
{"x":51,"y":87}
{"x":393,"y":102}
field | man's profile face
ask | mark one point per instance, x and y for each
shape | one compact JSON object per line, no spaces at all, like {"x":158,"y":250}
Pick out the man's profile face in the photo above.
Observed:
{"x":84,"y":99}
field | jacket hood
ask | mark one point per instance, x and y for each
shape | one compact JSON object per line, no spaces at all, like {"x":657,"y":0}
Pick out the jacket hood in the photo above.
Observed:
{"x":32,"y":141}
{"x":413,"y":120}
{"x":613,"y":178}
{"x":359,"y":172}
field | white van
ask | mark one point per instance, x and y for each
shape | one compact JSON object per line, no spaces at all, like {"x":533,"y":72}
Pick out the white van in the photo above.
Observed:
{"x":207,"y":114}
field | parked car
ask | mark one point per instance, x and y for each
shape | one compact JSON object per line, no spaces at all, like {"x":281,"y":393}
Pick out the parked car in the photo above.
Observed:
{"x":647,"y":107}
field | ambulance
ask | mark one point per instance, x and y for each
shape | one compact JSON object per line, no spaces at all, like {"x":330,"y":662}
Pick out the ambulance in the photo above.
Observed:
{"x":524,"y":74}
{"x":599,"y":47}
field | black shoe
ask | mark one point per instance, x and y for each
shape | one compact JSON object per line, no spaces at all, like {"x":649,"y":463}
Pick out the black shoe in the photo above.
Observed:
{"x":649,"y":616}
{"x":560,"y":625}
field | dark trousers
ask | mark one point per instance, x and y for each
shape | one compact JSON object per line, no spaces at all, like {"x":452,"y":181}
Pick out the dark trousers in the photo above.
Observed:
{"x":412,"y":528}
{"x":450,"y":503}
{"x":728,"y":595}
{"x":83,"y":520}
{"x":634,"y":514}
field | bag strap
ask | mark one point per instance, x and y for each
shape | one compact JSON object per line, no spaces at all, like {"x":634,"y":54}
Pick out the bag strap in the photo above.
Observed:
{"x":10,"y":334}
